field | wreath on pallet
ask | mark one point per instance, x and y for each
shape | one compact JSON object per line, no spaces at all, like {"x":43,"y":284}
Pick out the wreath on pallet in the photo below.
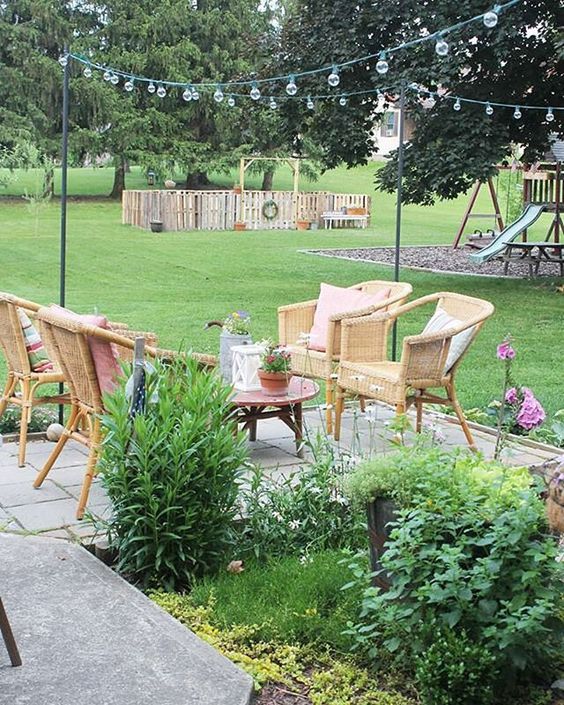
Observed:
{"x":270,"y":209}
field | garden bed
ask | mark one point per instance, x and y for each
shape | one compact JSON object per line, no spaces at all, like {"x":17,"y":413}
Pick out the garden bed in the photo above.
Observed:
{"x":437,"y":258}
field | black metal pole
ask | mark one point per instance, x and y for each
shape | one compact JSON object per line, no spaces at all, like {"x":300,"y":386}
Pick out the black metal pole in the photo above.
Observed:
{"x":399,"y":192}
{"x":64,"y":175}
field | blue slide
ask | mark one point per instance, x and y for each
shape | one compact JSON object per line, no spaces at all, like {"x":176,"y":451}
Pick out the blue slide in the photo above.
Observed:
{"x":531,"y":213}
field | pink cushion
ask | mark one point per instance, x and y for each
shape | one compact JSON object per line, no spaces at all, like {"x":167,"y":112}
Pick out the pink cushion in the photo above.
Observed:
{"x":103,"y":353}
{"x":335,"y":300}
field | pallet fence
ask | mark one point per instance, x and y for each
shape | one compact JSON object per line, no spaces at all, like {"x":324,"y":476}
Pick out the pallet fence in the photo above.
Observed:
{"x":219,"y":210}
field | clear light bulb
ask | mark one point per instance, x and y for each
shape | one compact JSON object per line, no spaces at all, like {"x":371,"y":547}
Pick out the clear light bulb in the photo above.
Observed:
{"x":87,"y":72}
{"x":114,"y":80}
{"x":310,"y":104}
{"x":457,"y":106}
{"x":334,"y":79}
{"x":218,"y":95}
{"x":291,"y":88}
{"x":161,"y":91}
{"x":63,"y":60}
{"x":382,"y":64}
{"x":549,"y":115}
{"x":491,"y":17}
{"x":151,"y":87}
{"x":128,"y":85}
{"x":107,"y":75}
{"x":273,"y":104}
{"x":489,"y":109}
{"x":187,"y":95}
{"x":342,"y":101}
{"x":517,"y":114}
{"x":441,"y":47}
{"x":231,"y":101}
{"x":255,"y":92}
{"x":195,"y":94}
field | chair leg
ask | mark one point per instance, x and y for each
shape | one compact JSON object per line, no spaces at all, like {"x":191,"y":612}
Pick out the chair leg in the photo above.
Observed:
{"x":419,"y":417}
{"x":9,"y":388}
{"x":451,"y":393}
{"x":69,"y":428}
{"x":8,"y":636}
{"x":26,"y":418}
{"x":339,"y":404}
{"x":329,"y":401}
{"x":362,"y":402}
{"x":90,"y":469}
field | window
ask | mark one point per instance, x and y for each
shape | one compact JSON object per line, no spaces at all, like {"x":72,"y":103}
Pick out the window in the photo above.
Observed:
{"x":389,"y":125}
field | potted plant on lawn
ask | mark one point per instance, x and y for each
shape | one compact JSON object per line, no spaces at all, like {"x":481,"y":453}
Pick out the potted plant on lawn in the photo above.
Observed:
{"x":275,"y":371}
{"x":235,"y":330}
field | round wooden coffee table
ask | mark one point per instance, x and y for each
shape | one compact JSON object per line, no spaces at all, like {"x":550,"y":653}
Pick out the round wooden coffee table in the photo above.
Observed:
{"x":254,"y":406}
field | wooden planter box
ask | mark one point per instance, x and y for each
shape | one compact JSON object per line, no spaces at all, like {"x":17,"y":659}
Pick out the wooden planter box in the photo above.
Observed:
{"x":381,"y":512}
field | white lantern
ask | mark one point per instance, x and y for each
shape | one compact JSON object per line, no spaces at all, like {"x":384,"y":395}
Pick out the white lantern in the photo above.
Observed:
{"x":246,"y":362}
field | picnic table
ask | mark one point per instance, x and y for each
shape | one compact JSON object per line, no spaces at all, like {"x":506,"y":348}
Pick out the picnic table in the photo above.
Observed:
{"x":534,"y":253}
{"x":340,"y":218}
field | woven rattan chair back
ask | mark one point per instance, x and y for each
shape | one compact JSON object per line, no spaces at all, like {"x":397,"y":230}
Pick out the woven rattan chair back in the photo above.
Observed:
{"x":12,"y":339}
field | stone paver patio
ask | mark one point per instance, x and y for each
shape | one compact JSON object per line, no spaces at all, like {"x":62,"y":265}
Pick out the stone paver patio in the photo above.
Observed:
{"x":50,"y":510}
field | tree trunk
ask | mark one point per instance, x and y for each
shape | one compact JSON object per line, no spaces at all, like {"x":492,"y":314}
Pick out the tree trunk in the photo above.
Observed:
{"x":267,"y":179}
{"x":119,"y":178}
{"x":49,"y":181}
{"x":197,"y":179}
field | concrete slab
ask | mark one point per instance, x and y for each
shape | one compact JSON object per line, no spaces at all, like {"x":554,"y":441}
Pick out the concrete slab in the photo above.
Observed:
{"x":86,"y":636}
{"x":23,"y":493}
{"x":42,"y":516}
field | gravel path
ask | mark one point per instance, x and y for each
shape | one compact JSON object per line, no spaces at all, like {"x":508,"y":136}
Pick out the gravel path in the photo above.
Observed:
{"x":438,"y":258}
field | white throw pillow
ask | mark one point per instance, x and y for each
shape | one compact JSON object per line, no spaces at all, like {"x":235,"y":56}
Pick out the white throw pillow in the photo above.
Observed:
{"x":441,"y":320}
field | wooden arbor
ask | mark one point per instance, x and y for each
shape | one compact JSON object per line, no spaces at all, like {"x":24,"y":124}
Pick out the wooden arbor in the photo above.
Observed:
{"x":246,"y":162}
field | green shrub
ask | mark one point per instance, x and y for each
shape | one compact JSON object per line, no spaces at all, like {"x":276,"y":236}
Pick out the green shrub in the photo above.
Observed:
{"x":172,"y":476}
{"x":301,"y":513}
{"x":468,"y":553}
{"x":41,"y":418}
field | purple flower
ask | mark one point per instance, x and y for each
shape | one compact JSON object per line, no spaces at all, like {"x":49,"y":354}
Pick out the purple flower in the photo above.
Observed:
{"x":505,"y":351}
{"x":531,"y":414}
{"x":511,"y":396}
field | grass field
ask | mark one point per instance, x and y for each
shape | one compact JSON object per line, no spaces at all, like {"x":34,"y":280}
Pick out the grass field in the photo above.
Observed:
{"x":173,"y":282}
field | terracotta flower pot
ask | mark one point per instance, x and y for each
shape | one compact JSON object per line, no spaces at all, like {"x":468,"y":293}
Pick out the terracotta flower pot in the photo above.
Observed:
{"x":274,"y":384}
{"x":302,"y":224}
{"x":240,"y":226}
{"x":236,"y":188}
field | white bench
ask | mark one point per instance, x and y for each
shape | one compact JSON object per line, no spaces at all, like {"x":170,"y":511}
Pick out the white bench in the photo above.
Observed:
{"x":339,"y":218}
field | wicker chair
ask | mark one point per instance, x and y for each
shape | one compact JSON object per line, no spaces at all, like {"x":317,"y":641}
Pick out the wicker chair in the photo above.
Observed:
{"x":365,"y":370}
{"x":22,"y":382}
{"x":296,"y":319}
{"x":69,"y":341}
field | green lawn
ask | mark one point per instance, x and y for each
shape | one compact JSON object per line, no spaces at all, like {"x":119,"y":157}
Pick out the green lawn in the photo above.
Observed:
{"x":173,"y":282}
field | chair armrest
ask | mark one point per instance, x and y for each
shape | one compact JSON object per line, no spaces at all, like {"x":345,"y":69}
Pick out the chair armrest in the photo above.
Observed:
{"x":295,"y":319}
{"x":365,"y":338}
{"x":424,"y":356}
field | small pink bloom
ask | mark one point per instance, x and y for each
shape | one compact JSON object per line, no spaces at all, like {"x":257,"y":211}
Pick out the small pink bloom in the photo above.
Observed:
{"x":531,"y":414}
{"x":511,"y":396}
{"x":505,"y":351}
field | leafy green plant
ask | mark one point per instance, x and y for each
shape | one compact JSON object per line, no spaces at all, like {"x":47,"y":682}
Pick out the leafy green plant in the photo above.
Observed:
{"x":303,"y":512}
{"x":41,"y":418}
{"x":468,"y":553}
{"x":238,"y":323}
{"x":276,"y":359}
{"x":172,"y":476}
{"x":552,"y":432}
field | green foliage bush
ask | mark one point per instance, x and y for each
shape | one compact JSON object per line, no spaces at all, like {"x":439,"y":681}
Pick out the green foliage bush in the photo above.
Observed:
{"x":468,"y":554}
{"x":172,"y":476}
{"x":301,"y":513}
{"x":41,"y":418}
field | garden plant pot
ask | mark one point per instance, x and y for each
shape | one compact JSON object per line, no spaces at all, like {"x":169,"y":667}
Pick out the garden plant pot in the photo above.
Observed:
{"x":302,"y":224}
{"x":226,"y":342}
{"x":274,"y":384}
{"x":156,"y":226}
{"x":240,"y":227}
{"x":236,"y":188}
{"x":381,"y":512}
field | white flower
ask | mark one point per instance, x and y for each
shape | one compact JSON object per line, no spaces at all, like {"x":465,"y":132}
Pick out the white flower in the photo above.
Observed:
{"x":304,"y":559}
{"x":315,"y":490}
{"x":303,"y":338}
{"x":277,"y":516}
{"x":341,"y":500}
{"x":371,"y":414}
{"x":294,"y":524}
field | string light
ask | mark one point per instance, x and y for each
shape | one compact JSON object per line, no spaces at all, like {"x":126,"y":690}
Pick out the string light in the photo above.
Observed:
{"x":491,"y":17}
{"x":218,"y":95}
{"x":334,"y":79}
{"x":517,"y":113}
{"x":161,"y":91}
{"x":343,"y":101}
{"x":309,"y":104}
{"x":231,"y":101}
{"x":549,"y":115}
{"x":291,"y":88}
{"x":151,"y":87}
{"x":129,"y":85}
{"x":107,"y":75}
{"x":114,"y":80}
{"x":457,"y":106}
{"x":382,"y":64}
{"x":489,"y":109}
{"x":441,"y":47}
{"x":187,"y":94}
{"x":63,"y":60}
{"x":195,"y":94}
{"x":273,"y":104}
{"x":87,"y":72}
{"x":255,"y":92}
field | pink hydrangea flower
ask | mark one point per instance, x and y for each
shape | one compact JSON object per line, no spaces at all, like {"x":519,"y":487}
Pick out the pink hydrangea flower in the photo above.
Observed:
{"x":505,"y":351}
{"x":531,"y":414}
{"x":511,"y":396}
